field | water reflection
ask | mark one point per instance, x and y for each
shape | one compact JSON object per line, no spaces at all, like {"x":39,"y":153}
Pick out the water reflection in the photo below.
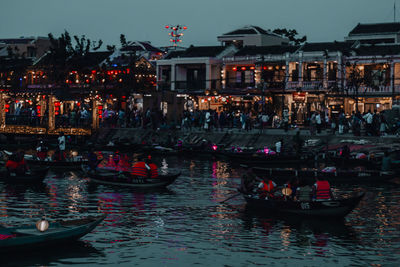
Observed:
{"x":186,"y":224}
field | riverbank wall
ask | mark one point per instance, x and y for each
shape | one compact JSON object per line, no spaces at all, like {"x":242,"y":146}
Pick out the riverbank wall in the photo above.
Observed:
{"x":230,"y":137}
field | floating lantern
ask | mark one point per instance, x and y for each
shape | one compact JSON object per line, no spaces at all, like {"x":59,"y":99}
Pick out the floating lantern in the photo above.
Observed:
{"x":214,"y":147}
{"x":42,"y":225}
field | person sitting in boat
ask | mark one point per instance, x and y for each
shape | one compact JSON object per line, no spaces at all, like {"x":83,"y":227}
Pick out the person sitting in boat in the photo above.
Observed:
{"x":248,"y":182}
{"x":322,"y":189}
{"x":140,"y":170}
{"x":292,"y":184}
{"x":17,"y":164}
{"x":153,"y":171}
{"x":93,"y":161}
{"x":41,"y":151}
{"x":303,"y":191}
{"x":267,"y":188}
{"x":116,"y":158}
{"x":12,"y":163}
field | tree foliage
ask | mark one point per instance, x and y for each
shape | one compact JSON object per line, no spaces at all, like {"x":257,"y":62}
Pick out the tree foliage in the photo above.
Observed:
{"x":291,"y":34}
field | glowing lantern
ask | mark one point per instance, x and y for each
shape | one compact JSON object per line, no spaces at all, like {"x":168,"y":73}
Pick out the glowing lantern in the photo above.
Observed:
{"x":214,"y":147}
{"x":243,"y":68}
{"x":234,"y":68}
{"x":42,"y":225}
{"x":286,"y":191}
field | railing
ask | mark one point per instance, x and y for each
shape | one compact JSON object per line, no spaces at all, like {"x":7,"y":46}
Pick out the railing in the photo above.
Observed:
{"x":34,"y":121}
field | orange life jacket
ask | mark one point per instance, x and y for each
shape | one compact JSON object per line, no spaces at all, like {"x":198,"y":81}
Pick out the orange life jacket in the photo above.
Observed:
{"x":323,"y":190}
{"x":139,"y":169}
{"x":268,"y":187}
{"x":153,"y":170}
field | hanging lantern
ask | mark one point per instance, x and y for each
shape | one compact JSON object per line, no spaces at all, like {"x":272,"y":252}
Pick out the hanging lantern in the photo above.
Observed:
{"x":42,"y":225}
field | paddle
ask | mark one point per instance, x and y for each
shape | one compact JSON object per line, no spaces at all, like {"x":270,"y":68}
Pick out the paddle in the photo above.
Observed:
{"x":235,"y":195}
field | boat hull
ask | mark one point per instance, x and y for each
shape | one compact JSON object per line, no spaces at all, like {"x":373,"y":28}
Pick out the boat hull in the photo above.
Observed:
{"x":28,"y":237}
{"x":327,"y":208}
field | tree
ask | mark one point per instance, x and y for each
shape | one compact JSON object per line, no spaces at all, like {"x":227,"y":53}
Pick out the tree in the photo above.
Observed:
{"x":62,"y":52}
{"x":291,"y":34}
{"x":123,"y":40}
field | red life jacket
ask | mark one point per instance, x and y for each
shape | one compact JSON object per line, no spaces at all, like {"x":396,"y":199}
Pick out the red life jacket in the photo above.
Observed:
{"x":153,"y":170}
{"x":323,"y":190}
{"x":11,"y":165}
{"x":268,"y":187}
{"x":139,"y":169}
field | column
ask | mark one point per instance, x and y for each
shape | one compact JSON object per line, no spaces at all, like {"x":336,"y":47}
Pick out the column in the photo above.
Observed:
{"x":157,"y":77}
{"x":3,"y":113}
{"x":95,"y":117}
{"x":325,"y":77}
{"x":208,"y":75}
{"x":173,"y":76}
{"x":301,"y":69}
{"x":392,"y":88}
{"x":52,"y":119}
{"x":287,"y":74}
{"x":340,"y":79}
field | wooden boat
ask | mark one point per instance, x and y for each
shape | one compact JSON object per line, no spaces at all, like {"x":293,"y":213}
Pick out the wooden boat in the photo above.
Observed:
{"x":258,"y":159}
{"x":33,"y":176}
{"x":337,"y":208}
{"x":339,"y":176}
{"x":28,"y":237}
{"x":111,"y":177}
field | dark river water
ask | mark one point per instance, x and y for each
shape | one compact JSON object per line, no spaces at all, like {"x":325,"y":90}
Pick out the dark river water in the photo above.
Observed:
{"x":186,"y":225}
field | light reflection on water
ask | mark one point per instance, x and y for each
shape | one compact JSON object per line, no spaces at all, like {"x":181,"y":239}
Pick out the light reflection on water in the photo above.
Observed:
{"x":185,"y":224}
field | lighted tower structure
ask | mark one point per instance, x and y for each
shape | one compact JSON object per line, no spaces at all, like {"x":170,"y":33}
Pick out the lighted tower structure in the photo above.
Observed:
{"x":175,"y":33}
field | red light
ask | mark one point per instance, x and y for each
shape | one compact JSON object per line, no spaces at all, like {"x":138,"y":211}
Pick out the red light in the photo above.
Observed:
{"x":234,"y":68}
{"x":100,"y":116}
{"x":252,"y":68}
{"x":243,"y":68}
{"x":265,"y":68}
{"x":128,"y":70}
{"x":16,"y":101}
{"x":123,"y":97}
{"x":167,"y":27}
{"x":100,"y":107}
{"x":7,"y":106}
{"x":7,"y":110}
{"x":184,"y":27}
{"x":93,"y":71}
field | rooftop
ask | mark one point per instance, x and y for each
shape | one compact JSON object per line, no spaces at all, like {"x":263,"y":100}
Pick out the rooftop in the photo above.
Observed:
{"x":391,"y":27}
{"x":199,"y":51}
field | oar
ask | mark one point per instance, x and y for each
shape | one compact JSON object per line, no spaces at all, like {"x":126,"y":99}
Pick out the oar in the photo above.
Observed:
{"x":235,"y":195}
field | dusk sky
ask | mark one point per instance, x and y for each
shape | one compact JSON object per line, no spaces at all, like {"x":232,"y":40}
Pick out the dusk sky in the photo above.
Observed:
{"x":320,"y":20}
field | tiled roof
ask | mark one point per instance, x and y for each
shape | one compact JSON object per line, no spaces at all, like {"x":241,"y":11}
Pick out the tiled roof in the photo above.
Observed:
{"x":89,"y":60}
{"x":140,"y":46}
{"x":376,"y":28}
{"x":266,"y":50}
{"x":327,"y":46}
{"x":17,"y":40}
{"x":199,"y":51}
{"x":248,"y":30}
{"x":378,"y":50}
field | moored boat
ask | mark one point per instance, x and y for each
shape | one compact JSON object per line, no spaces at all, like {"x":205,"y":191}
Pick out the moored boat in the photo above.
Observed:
{"x":111,"y":177}
{"x":337,"y":208}
{"x":337,"y":176}
{"x":28,"y":237}
{"x":32,"y":176}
